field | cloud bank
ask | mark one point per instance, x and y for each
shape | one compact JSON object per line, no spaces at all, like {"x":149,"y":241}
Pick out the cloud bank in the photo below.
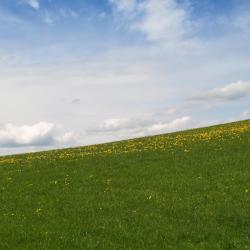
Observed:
{"x":39,"y":134}
{"x":124,"y":127}
{"x":230,"y":92}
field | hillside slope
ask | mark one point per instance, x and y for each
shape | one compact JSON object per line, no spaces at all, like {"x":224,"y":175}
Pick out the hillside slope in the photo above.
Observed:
{"x":185,"y":190}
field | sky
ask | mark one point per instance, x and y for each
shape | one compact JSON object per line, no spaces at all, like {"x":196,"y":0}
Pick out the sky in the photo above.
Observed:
{"x":82,"y":72}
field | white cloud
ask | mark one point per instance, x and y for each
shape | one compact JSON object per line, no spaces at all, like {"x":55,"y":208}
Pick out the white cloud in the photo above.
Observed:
{"x":233,"y":91}
{"x":68,"y":138}
{"x":177,"y":124}
{"x":128,"y":128}
{"x":33,"y":4}
{"x":120,"y":124}
{"x":39,"y":134}
{"x":162,"y":21}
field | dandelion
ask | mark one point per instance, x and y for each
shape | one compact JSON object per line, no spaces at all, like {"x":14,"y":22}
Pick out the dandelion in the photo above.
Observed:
{"x":38,"y":211}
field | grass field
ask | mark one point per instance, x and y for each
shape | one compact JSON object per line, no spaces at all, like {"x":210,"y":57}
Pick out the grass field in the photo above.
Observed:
{"x":185,"y":190}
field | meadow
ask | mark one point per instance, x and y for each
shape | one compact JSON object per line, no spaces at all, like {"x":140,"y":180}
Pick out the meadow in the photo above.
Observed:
{"x":184,"y":190}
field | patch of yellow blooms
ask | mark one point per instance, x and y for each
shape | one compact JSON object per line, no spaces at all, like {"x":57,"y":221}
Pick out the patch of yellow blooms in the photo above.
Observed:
{"x":167,"y":142}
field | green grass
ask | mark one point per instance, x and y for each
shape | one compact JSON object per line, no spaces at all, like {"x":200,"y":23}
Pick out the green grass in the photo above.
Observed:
{"x":186,"y":190}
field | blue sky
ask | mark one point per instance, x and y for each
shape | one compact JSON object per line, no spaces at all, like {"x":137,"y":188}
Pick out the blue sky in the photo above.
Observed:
{"x":89,"y":71}
{"x":86,"y":25}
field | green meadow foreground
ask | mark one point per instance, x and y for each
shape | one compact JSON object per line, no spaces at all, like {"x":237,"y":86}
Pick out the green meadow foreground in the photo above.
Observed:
{"x":185,"y":190}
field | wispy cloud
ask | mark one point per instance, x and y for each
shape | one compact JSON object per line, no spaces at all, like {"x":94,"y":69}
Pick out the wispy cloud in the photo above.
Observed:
{"x":49,"y":18}
{"x":68,"y":13}
{"x":162,"y":21}
{"x":35,"y":4}
{"x":50,"y":15}
{"x":124,"y":5}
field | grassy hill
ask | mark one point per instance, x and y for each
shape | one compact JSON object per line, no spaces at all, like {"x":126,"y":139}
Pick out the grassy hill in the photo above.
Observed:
{"x":185,"y":190}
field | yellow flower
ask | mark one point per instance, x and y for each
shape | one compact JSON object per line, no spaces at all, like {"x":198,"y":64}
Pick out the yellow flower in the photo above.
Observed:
{"x":38,"y":211}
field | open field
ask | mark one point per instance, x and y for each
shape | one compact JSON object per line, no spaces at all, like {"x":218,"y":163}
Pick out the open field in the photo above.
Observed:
{"x":185,"y":190}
